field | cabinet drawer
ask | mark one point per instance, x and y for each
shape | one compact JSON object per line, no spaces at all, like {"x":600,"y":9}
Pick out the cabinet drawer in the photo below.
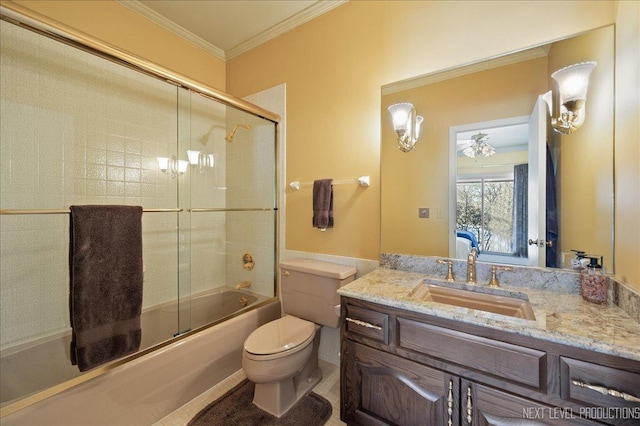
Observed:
{"x":367,"y":323}
{"x":516,"y":363}
{"x":485,"y":406}
{"x":594,"y":384}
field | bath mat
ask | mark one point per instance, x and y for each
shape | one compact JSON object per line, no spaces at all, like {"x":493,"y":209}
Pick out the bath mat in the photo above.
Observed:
{"x":235,"y":408}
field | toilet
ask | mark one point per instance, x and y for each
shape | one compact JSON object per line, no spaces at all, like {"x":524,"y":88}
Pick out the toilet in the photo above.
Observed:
{"x":281,"y":357}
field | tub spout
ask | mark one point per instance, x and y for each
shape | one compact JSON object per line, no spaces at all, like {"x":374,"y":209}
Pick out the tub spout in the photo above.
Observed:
{"x":243,"y":284}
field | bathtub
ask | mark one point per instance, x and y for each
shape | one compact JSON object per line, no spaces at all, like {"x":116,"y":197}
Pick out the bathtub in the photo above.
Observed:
{"x":159,"y":323}
{"x":40,"y":365}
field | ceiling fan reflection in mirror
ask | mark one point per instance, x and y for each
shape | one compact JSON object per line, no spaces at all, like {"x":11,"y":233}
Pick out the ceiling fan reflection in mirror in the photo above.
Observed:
{"x":478,"y":146}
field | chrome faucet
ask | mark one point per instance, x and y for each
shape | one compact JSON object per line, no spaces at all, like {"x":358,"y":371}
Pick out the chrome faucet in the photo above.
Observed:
{"x":471,"y":266}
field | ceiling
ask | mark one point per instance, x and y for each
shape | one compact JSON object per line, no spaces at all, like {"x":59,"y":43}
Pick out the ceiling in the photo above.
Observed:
{"x":227,"y":28}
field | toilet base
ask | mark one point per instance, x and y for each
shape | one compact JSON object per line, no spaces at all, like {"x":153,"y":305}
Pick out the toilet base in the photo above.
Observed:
{"x":278,"y":397}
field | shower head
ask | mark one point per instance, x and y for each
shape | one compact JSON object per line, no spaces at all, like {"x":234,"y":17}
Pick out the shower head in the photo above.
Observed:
{"x":232,"y":133}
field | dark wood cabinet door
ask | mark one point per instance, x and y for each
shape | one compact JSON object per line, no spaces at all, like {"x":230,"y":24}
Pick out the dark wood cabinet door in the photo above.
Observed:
{"x":485,"y":406}
{"x":380,"y":388}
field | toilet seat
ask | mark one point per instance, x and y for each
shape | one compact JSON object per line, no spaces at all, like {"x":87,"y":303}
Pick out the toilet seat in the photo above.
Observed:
{"x":278,"y":338}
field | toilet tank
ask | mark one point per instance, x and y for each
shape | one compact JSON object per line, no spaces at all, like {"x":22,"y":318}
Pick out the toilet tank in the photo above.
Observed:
{"x":310,"y":289}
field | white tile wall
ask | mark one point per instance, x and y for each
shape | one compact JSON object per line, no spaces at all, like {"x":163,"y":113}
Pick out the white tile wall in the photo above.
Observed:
{"x":251,"y":183}
{"x":77,"y":129}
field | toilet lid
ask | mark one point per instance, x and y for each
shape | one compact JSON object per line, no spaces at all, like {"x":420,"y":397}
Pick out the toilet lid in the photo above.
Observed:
{"x":280,"y":335}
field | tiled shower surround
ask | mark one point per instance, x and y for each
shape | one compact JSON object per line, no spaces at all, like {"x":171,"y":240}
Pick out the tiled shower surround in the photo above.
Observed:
{"x":79,"y":129}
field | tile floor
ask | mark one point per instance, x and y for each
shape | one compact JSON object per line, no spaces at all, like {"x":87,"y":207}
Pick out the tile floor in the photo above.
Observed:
{"x":329,"y":388}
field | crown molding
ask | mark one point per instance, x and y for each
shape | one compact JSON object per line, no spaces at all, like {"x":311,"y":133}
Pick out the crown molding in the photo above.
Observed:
{"x":165,"y":23}
{"x":483,"y":65}
{"x":306,"y":15}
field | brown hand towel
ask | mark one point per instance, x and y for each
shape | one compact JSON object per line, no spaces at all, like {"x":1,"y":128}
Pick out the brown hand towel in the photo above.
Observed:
{"x":323,"y":203}
{"x":105,"y":285}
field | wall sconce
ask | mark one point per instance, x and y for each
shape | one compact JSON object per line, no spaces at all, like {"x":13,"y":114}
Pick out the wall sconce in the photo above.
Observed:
{"x":406,"y":124}
{"x":197,"y":158}
{"x":182,"y":166}
{"x":194,"y":157}
{"x":573,"y":82}
{"x":172,"y":165}
{"x":200,"y":159}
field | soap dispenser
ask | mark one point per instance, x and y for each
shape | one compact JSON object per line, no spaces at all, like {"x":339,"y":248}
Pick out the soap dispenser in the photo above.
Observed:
{"x":593,"y":282}
{"x":579,"y":263}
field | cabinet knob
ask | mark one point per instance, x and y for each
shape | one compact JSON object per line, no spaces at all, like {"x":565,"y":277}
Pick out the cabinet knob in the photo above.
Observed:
{"x":285,"y":273}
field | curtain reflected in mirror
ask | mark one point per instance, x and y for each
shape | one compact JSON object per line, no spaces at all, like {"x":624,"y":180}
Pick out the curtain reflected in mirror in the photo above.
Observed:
{"x":520,"y":190}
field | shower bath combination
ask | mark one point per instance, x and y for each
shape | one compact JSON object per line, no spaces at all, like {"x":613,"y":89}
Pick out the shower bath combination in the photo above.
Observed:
{"x":185,"y":240}
{"x":229,"y":137}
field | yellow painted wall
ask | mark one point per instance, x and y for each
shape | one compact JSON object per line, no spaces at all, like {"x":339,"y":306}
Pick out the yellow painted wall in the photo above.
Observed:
{"x":116,"y":25}
{"x":420,"y":178}
{"x":585,"y":172}
{"x":334,"y":67}
{"x":627,"y":152}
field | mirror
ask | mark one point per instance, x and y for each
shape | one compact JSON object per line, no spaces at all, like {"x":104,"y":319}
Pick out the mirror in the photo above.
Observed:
{"x":487,"y":97}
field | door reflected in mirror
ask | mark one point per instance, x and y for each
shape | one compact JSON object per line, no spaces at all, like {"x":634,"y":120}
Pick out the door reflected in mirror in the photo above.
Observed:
{"x":496,"y":163}
{"x":458,"y":105}
{"x":490,"y":190}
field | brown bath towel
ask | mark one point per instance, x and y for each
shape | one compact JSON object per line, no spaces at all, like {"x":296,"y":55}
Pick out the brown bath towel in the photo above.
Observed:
{"x":323,"y":203}
{"x":105,"y":286}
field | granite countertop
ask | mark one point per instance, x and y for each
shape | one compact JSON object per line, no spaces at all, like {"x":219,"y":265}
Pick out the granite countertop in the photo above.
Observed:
{"x":560,"y":317}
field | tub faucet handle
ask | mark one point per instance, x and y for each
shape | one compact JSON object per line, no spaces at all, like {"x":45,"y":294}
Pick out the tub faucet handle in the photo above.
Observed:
{"x":449,"y":264}
{"x":243,"y":284}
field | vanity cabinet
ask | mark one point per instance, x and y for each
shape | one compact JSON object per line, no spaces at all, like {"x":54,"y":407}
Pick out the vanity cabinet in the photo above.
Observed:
{"x":406,"y":368}
{"x":380,"y":386}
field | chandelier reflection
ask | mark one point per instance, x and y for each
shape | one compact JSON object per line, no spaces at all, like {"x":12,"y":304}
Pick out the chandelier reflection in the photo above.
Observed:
{"x":479,"y":147}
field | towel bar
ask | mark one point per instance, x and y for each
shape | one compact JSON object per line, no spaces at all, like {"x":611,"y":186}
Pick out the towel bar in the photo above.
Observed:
{"x":223,"y":209}
{"x":67,"y":211}
{"x":362,"y":181}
